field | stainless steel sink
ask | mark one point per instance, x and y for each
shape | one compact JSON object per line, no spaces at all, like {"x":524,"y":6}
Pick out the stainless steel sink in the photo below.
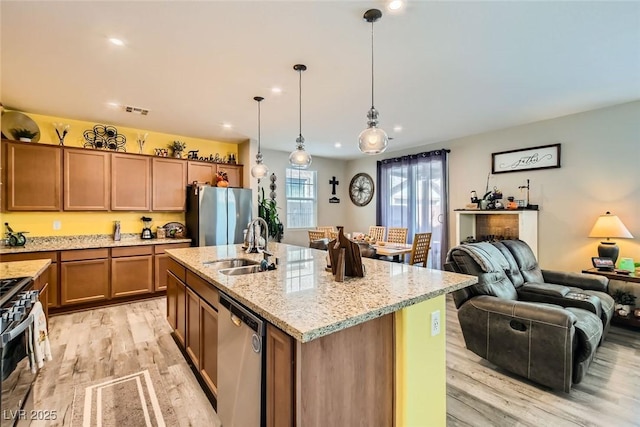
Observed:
{"x":236,"y":271}
{"x":231,"y":263}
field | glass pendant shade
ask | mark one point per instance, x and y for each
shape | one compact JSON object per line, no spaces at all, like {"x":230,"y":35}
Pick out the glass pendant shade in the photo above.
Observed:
{"x":373,"y":140}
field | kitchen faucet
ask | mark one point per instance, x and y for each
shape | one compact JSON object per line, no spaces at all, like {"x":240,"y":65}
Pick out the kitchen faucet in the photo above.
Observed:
{"x":254,"y":247}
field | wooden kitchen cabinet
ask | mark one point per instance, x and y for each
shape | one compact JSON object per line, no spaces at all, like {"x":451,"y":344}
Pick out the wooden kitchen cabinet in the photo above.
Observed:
{"x":176,"y":300}
{"x":234,"y":174}
{"x":87,"y":181}
{"x":201,"y":172}
{"x":161,"y":264}
{"x":279,"y":378}
{"x":193,"y":327}
{"x":169,"y":184}
{"x":51,"y":274}
{"x":131,"y":271}
{"x":32,"y":177}
{"x":209,"y":346}
{"x":130,"y":182}
{"x":84,"y":276}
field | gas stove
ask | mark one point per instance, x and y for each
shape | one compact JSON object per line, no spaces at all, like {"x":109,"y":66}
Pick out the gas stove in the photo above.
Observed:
{"x":11,"y":287}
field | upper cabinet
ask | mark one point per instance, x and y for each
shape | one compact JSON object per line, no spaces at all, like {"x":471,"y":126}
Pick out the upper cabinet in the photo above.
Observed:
{"x":130,"y":182}
{"x":169,"y":184}
{"x":86,"y":180}
{"x":201,"y":172}
{"x":32,"y":177}
{"x":234,"y":174}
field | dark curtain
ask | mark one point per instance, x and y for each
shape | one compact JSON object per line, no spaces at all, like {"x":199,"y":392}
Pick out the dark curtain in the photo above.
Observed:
{"x":413,"y":193}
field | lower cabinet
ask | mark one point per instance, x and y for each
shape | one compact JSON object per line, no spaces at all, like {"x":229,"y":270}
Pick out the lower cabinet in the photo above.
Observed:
{"x":84,"y":276}
{"x":161,"y":264}
{"x":131,"y":271}
{"x":279,"y":378}
{"x":193,"y":327}
{"x":209,"y":346}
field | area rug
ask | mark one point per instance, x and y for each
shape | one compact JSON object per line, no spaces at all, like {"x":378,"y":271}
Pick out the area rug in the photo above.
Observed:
{"x":134,"y":400}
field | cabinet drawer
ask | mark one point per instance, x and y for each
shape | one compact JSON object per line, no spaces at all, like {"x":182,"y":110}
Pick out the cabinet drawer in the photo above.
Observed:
{"x":81,"y":254}
{"x":132,"y":251}
{"x":177,"y":269}
{"x":27,"y":256}
{"x":159,"y":249}
{"x":206,"y":291}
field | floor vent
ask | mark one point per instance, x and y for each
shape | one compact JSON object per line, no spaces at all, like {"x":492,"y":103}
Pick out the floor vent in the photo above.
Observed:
{"x":136,"y":110}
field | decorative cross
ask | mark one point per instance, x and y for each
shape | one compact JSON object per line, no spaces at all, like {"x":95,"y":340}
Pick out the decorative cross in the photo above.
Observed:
{"x":333,"y":182}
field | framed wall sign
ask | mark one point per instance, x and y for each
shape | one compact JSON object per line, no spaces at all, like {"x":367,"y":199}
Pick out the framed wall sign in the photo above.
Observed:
{"x":543,"y":157}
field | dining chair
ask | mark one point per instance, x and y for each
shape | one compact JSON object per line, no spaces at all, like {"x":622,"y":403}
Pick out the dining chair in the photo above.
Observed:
{"x":333,"y":235}
{"x":326,"y":230}
{"x":377,"y":232}
{"x":397,"y":235}
{"x":316,"y":235}
{"x":420,"y":249}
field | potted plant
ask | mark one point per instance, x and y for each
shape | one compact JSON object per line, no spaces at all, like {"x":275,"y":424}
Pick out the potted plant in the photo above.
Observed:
{"x":268,"y":210}
{"x":178,"y":147}
{"x":624,"y":301}
{"x":23,"y":134}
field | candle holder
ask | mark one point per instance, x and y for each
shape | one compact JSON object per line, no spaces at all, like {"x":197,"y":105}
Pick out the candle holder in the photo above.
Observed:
{"x":61,"y":130}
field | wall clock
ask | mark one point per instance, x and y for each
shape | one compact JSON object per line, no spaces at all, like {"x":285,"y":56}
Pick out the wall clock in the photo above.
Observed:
{"x":361,"y":189}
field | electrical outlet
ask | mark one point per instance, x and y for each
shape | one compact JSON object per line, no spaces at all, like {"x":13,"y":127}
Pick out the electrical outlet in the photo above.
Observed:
{"x":57,"y":225}
{"x":435,"y":323}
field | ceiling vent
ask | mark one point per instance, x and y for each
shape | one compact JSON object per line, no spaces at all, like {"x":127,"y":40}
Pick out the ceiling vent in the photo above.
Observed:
{"x":136,"y":110}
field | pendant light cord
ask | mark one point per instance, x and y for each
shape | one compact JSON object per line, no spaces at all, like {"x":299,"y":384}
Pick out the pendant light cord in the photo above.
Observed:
{"x":372,"y":107}
{"x":259,"y":127}
{"x":300,"y":101}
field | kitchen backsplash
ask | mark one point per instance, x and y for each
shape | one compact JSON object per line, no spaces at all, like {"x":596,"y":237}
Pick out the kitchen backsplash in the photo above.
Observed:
{"x":81,"y":223}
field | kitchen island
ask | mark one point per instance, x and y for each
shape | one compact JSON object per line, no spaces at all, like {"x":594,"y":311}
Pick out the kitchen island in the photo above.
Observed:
{"x":358,"y":352}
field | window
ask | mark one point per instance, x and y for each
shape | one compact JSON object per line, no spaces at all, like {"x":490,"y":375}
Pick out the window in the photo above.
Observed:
{"x":300,"y":190}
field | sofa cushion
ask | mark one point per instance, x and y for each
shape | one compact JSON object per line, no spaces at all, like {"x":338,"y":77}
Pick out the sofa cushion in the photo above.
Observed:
{"x":525,"y":259}
{"x":588,"y":333}
{"x":513,"y":270}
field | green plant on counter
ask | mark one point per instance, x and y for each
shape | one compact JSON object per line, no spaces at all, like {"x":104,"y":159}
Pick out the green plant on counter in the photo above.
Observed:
{"x":23,"y":133}
{"x":268,"y":210}
{"x":624,"y":298}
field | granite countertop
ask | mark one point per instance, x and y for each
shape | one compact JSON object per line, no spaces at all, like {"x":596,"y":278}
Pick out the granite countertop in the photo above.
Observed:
{"x":61,"y":243}
{"x":305,"y":301}
{"x":32,"y":268}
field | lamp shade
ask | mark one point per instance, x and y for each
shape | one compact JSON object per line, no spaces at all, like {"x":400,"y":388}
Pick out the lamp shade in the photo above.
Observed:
{"x":610,"y":226}
{"x":299,"y":159}
{"x":373,"y":140}
{"x":259,"y":170}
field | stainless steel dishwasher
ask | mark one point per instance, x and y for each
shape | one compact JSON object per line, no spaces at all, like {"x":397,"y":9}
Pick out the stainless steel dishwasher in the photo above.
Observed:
{"x":240,"y":365}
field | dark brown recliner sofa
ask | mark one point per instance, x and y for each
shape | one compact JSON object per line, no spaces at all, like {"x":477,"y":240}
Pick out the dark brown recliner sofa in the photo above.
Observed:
{"x":540,"y":324}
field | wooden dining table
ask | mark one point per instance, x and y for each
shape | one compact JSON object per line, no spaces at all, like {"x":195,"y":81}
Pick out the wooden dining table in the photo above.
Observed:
{"x":392,"y":249}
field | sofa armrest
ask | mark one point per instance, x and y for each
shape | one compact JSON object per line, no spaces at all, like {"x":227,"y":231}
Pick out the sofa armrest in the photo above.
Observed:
{"x":545,"y":289}
{"x":578,"y":280}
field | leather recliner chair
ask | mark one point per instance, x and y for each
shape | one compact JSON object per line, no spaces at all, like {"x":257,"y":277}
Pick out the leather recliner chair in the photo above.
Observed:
{"x":540,"y":324}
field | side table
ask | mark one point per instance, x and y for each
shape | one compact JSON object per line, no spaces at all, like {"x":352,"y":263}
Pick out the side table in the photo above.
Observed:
{"x":624,"y":282}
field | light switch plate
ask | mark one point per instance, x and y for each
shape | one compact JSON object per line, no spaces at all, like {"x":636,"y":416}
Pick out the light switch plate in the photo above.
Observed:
{"x":57,"y":225}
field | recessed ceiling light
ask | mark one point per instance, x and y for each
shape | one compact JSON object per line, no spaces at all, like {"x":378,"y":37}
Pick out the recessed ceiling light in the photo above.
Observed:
{"x":116,"y":41}
{"x":397,"y":128}
{"x":395,"y":4}
{"x":337,"y":145}
{"x":113,"y":105}
{"x":276,"y":90}
{"x":226,"y":125}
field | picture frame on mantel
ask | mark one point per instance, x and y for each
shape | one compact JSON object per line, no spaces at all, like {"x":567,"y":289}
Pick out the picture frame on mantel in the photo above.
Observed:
{"x":542,"y":157}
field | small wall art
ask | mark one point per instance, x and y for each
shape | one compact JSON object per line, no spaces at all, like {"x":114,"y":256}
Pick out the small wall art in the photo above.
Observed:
{"x":542,"y":157}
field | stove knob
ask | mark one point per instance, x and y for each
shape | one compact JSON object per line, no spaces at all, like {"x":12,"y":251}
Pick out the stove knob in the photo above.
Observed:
{"x":18,"y":312}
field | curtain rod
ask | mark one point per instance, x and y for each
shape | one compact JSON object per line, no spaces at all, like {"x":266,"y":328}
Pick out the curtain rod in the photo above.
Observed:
{"x":418,"y":155}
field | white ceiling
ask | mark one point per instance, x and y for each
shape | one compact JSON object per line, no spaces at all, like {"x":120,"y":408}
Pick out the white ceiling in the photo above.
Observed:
{"x":443,"y":69}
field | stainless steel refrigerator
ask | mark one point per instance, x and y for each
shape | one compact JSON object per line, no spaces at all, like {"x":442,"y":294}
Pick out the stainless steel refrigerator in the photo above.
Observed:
{"x":217,"y":215}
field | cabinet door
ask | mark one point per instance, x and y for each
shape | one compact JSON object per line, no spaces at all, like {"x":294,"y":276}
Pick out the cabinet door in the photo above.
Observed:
{"x":169,"y":184}
{"x":84,"y":281}
{"x":130,"y":182}
{"x":181,"y":311}
{"x":33,"y":180}
{"x":131,"y":275}
{"x":53,"y":293}
{"x":209,"y":346}
{"x":234,"y":174}
{"x":161,"y":263}
{"x":279,"y":378}
{"x":86,"y":180}
{"x":193,"y":327}
{"x":172,"y":299}
{"x":201,"y":172}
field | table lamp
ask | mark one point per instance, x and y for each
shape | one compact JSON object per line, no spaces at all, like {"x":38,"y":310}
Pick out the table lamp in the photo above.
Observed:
{"x":609,"y":226}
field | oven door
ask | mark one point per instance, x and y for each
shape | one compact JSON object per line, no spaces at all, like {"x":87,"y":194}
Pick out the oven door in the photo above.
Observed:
{"x":17,"y":377}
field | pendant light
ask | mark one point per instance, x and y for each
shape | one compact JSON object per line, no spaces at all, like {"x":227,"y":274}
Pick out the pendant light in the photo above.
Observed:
{"x":259,"y":170}
{"x":372,"y":140}
{"x":299,"y":158}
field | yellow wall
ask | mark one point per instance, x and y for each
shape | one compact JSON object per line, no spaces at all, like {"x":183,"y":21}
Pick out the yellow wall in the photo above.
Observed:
{"x":421,"y":386}
{"x":74,"y":223}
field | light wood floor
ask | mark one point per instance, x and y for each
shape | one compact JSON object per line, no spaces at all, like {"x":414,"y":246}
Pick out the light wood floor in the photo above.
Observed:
{"x":479,"y":394}
{"x":114,"y":341}
{"x":99,"y":343}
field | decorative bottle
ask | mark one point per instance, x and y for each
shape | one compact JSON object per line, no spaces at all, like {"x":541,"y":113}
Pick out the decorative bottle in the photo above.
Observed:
{"x":116,"y":231}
